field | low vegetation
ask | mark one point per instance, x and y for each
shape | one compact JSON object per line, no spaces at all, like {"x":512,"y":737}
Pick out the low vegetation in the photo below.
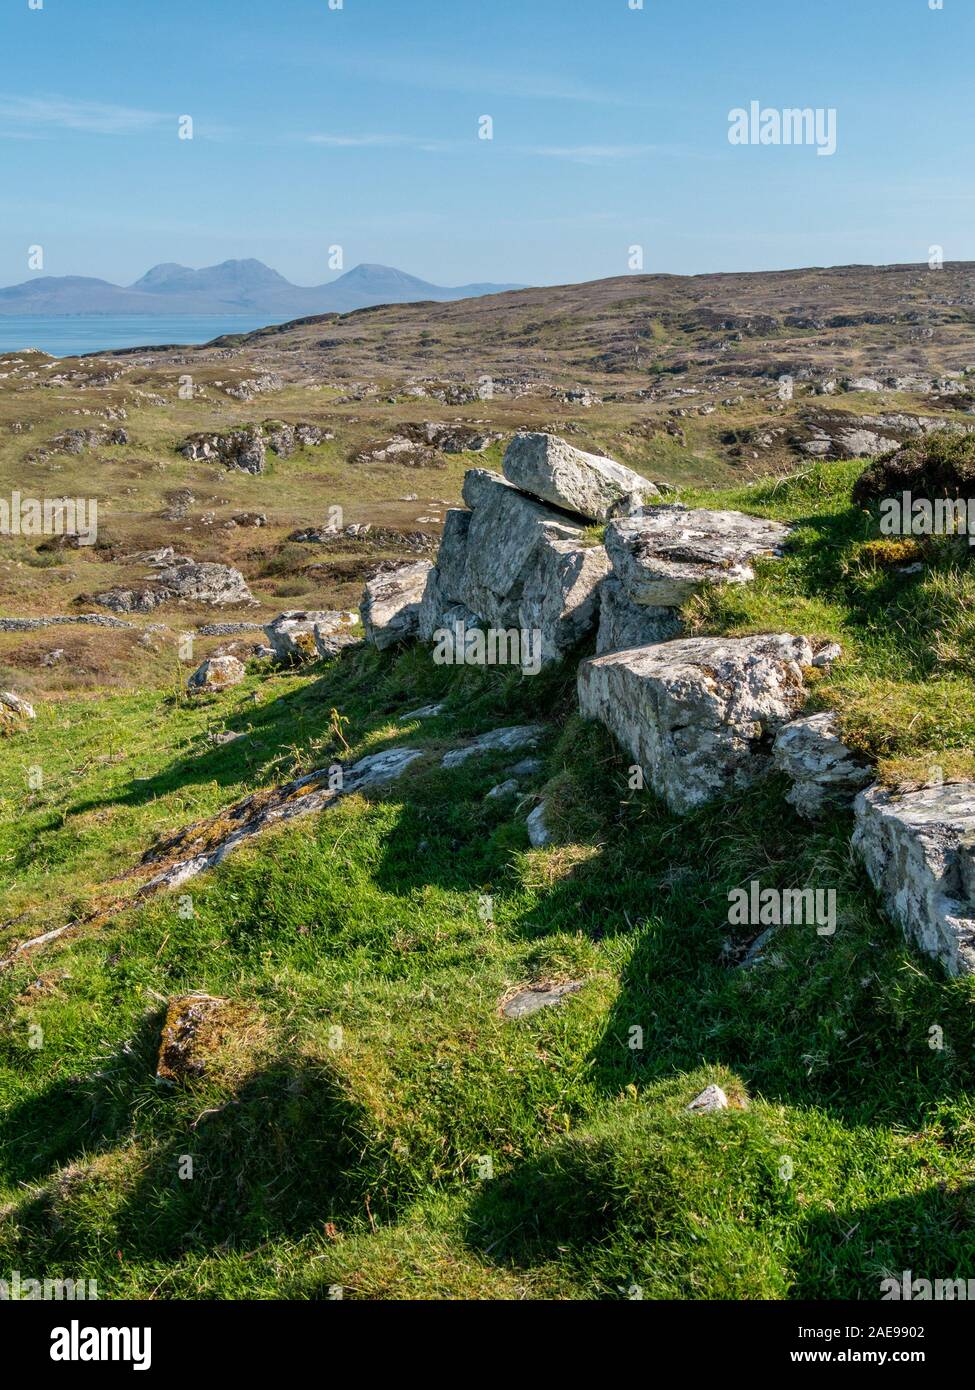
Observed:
{"x":376,"y":1126}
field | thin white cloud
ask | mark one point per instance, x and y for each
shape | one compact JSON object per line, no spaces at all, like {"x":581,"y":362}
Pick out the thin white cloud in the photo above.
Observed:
{"x":593,"y":154}
{"x":93,"y":117}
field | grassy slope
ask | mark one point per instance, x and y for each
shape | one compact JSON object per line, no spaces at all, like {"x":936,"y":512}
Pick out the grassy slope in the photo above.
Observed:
{"x":355,"y":1159}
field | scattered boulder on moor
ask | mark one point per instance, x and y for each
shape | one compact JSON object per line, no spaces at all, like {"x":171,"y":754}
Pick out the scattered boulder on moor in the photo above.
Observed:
{"x":390,"y":607}
{"x":919,"y":851}
{"x":181,"y":578}
{"x":204,"y":582}
{"x":303,"y":635}
{"x":699,"y":714}
{"x":590,"y":485}
{"x":244,"y":450}
{"x":661,"y":554}
{"x":217,"y":673}
{"x":822,"y":769}
{"x":14,"y":712}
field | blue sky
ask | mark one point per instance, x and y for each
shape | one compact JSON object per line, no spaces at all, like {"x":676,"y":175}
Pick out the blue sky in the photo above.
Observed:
{"x":359,"y":127}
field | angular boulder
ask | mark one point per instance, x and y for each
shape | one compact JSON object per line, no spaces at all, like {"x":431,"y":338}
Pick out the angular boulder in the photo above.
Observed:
{"x":390,"y":607}
{"x":217,"y":673}
{"x":513,"y":564}
{"x":623,"y":623}
{"x":590,"y":485}
{"x":699,"y":714}
{"x":823,"y":771}
{"x":204,"y":582}
{"x":662,"y":554}
{"x":303,"y":634}
{"x":919,"y":851}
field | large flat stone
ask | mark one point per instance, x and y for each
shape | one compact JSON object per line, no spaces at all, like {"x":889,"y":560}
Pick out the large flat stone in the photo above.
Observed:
{"x":919,"y":850}
{"x":591,"y":485}
{"x":699,"y":714}
{"x":662,"y":554}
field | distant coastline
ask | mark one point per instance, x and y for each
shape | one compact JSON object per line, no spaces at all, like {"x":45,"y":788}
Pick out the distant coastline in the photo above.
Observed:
{"x":69,"y":335}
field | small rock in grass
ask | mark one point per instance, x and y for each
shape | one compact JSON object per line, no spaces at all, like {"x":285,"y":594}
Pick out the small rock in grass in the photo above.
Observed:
{"x":14,"y":712}
{"x":827,"y":655}
{"x":538,"y":832}
{"x":424,"y":712}
{"x":541,"y":996}
{"x":495,"y":740}
{"x":527,"y":767}
{"x":508,"y":788}
{"x":712,"y":1098}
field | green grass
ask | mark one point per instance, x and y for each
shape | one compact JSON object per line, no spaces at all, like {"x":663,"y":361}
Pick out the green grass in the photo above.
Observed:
{"x":430,"y":1148}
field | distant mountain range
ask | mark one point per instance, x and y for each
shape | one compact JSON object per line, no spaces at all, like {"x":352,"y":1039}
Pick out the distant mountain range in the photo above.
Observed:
{"x":233,"y":287}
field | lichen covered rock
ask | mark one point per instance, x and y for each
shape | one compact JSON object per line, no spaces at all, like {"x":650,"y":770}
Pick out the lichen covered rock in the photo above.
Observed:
{"x":823,"y":771}
{"x":390,"y":607}
{"x":590,"y":485}
{"x":919,"y":850}
{"x":662,"y":554}
{"x":698,"y":715}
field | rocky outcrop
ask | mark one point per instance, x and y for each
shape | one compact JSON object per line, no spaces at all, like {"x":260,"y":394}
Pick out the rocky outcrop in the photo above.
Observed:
{"x":698,"y":715}
{"x":496,"y":741}
{"x":216,"y":673}
{"x":390,"y":607}
{"x":823,"y":771}
{"x":308,"y":635}
{"x":512,"y":563}
{"x":662,"y":554}
{"x":919,"y":851}
{"x":244,"y":449}
{"x":623,"y":623}
{"x":182,"y":579}
{"x":589,"y":485}
{"x":206,"y":844}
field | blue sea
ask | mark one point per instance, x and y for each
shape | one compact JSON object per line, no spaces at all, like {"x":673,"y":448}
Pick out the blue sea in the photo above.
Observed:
{"x":65,"y":335}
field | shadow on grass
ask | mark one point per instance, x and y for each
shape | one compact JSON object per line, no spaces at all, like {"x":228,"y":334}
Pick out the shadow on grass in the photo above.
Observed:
{"x":278,"y":1154}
